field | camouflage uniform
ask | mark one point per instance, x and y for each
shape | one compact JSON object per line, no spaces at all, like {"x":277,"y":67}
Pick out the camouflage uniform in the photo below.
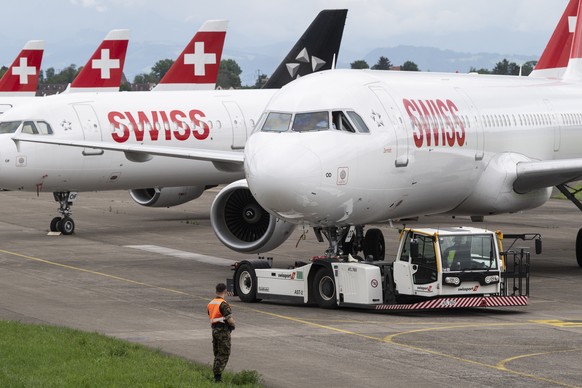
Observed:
{"x":221,"y":340}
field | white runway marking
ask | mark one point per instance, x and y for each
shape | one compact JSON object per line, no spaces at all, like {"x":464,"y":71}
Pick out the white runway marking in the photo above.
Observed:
{"x":183,"y":254}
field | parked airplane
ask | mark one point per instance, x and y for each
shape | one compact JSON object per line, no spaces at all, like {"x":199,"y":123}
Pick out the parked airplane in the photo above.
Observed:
{"x":364,"y":147}
{"x":168,"y":124}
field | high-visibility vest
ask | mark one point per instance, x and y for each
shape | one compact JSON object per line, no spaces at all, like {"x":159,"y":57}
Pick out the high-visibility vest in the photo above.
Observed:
{"x":214,"y":310}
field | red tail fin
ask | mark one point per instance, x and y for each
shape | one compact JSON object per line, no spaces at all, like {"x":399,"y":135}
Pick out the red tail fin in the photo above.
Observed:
{"x":104,"y":70}
{"x":197,"y":66}
{"x":22,"y":76}
{"x":554,"y":59}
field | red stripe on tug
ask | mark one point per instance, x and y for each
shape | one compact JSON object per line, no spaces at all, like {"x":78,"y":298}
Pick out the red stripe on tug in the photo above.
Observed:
{"x":461,"y":302}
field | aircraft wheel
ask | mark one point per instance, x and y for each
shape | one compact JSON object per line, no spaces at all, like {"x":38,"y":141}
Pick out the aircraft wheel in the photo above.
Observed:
{"x":67,"y":226}
{"x":324,"y":289}
{"x":54,"y":226}
{"x":579,"y":247}
{"x":374,"y":244}
{"x":245,"y":283}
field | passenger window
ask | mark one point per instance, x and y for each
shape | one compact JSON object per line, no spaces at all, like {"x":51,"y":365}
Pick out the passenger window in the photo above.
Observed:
{"x":44,"y":128}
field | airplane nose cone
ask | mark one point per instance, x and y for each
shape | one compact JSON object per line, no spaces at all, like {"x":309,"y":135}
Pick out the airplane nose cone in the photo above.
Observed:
{"x":283,"y":176}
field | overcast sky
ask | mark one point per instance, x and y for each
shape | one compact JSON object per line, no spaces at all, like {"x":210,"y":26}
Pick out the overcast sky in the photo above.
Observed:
{"x":73,"y":28}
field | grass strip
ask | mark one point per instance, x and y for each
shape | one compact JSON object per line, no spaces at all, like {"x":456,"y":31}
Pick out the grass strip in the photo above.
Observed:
{"x":52,"y":356}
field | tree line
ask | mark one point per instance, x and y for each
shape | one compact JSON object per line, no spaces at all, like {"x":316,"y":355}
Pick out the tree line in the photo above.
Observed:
{"x":229,"y":72}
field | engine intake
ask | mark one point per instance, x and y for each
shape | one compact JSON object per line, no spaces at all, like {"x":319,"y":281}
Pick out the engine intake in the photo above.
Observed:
{"x":242,"y":224}
{"x":166,"y":196}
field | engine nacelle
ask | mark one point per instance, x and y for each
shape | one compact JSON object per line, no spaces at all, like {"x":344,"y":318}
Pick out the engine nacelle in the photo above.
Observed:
{"x":166,"y":196}
{"x":242,"y":224}
{"x":494,"y":192}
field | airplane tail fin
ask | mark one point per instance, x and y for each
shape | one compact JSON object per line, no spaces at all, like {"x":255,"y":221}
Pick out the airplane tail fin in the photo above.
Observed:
{"x":22,"y":76}
{"x":314,"y":51}
{"x":103,"y":71}
{"x":556,"y":55}
{"x":197,"y":66}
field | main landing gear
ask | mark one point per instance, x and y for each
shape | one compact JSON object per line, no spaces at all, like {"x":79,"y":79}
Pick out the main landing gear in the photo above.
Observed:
{"x":570,"y":193}
{"x":64,"y":224}
{"x":351,"y":240}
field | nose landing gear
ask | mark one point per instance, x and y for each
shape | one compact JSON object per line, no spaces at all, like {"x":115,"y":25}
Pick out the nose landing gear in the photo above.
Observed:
{"x":64,"y":224}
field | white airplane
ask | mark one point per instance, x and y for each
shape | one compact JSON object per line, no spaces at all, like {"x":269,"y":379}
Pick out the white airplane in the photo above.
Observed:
{"x":341,"y":149}
{"x":154,"y":132}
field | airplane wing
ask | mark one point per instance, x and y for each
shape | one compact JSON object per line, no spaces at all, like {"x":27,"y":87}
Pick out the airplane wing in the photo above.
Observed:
{"x":541,"y":174}
{"x":224,"y":160}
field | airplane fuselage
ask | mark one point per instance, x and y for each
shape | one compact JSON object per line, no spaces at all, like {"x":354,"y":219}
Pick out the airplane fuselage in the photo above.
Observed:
{"x":437,"y":143}
{"x":213,"y":120}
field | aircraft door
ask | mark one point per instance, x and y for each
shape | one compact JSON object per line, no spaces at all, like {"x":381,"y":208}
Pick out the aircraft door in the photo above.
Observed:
{"x":396,"y":118}
{"x":90,"y":126}
{"x":239,"y":127}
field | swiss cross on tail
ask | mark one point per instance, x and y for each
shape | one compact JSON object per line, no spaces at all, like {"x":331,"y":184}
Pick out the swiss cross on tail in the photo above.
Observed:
{"x":104,"y":70}
{"x":22,"y":76}
{"x":556,"y":55}
{"x":197,"y":66}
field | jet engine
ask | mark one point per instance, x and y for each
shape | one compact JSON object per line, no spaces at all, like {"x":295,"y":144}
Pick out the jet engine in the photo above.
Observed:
{"x":242,"y":224}
{"x":494,"y":191}
{"x":166,"y":196}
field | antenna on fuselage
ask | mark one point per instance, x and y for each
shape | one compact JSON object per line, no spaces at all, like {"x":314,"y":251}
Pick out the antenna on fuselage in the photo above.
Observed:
{"x":333,"y":63}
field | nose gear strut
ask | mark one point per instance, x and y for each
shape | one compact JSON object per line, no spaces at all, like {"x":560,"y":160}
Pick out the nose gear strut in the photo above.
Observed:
{"x":64,"y":224}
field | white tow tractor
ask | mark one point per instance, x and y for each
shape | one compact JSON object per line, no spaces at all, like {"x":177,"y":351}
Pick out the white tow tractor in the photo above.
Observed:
{"x":453,"y":267}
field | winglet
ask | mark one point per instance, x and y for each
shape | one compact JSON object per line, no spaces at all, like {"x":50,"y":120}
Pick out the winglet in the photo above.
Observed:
{"x":554,"y":59}
{"x":22,"y":76}
{"x":314,"y":51}
{"x":197,"y":66}
{"x":103,"y":71}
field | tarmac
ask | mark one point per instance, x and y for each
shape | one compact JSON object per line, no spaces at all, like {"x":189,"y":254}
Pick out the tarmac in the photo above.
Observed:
{"x":146,"y":275}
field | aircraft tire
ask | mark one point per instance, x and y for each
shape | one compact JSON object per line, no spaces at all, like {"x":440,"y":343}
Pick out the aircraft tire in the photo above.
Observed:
{"x":324,"y":289}
{"x":55,"y":224}
{"x":67,"y":226}
{"x":374,"y":244}
{"x":579,"y":247}
{"x":245,"y":284}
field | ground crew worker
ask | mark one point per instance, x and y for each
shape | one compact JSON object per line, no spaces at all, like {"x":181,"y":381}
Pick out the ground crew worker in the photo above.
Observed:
{"x":222,"y":323}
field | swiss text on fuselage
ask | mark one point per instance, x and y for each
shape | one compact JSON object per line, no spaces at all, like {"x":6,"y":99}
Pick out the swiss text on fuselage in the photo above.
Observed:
{"x":435,"y":122}
{"x":158,"y":125}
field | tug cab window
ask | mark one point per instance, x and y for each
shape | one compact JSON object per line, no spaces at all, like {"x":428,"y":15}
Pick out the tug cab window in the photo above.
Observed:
{"x":9,"y":126}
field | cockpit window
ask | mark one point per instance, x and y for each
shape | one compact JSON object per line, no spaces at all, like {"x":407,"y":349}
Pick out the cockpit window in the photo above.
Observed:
{"x":44,"y":128}
{"x":29,"y":128}
{"x":312,"y":121}
{"x":341,"y":122}
{"x":9,"y":126}
{"x":277,"y":122}
{"x":358,"y":122}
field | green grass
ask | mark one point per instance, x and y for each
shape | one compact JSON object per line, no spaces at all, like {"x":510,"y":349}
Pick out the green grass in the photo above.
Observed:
{"x":558,"y":195}
{"x":47,"y":356}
